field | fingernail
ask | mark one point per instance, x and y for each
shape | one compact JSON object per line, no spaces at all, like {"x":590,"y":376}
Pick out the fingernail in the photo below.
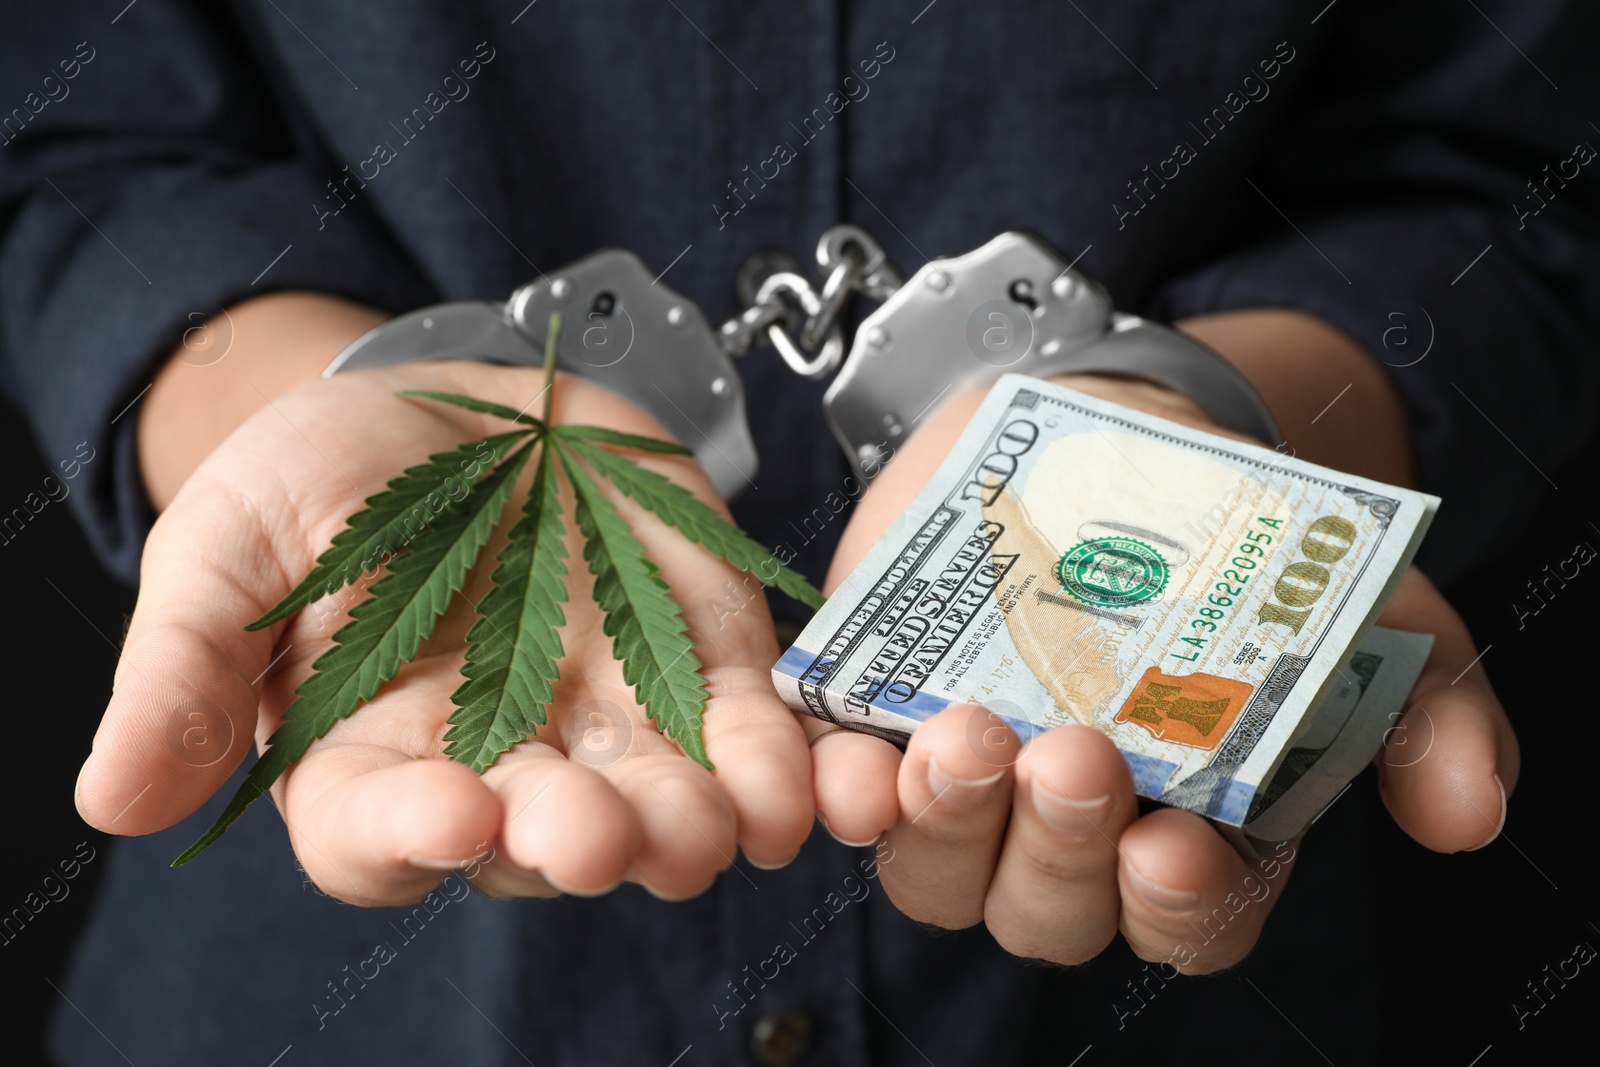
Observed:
{"x":1162,"y":896}
{"x":960,"y":792}
{"x":433,"y":863}
{"x":1501,"y":825}
{"x":1069,"y":817}
{"x":770,"y":866}
{"x":852,"y":844}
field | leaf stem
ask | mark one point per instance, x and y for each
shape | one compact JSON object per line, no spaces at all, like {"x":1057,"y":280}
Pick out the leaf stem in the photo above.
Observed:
{"x":550,"y":364}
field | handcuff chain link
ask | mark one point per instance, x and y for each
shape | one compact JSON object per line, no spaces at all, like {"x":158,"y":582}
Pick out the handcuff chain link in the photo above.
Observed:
{"x":852,"y":262}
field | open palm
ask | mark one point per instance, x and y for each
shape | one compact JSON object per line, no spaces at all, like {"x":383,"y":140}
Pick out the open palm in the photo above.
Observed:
{"x":375,"y":813}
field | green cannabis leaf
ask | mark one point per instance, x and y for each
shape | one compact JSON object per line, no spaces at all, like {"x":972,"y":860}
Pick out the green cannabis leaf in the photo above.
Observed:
{"x":515,"y":644}
{"x":484,"y":407}
{"x":679,"y":508}
{"x":514,"y":647}
{"x":644,"y":622}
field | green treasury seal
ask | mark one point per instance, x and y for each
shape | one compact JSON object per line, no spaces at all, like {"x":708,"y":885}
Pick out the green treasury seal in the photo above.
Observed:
{"x":1112,"y":572}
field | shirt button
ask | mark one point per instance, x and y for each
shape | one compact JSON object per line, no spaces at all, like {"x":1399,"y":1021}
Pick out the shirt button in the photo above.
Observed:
{"x":782,"y":1039}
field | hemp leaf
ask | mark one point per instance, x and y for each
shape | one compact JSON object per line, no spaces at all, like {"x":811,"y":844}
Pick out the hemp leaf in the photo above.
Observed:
{"x":645,"y":624}
{"x":515,"y":644}
{"x":514,"y":647}
{"x":681,"y":509}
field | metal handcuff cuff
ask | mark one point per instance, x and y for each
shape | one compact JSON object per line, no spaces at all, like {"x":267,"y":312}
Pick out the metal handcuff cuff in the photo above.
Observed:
{"x":1011,"y":306}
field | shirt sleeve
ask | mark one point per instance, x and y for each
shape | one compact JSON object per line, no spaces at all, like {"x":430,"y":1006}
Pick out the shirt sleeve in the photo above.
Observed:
{"x":1435,"y":194}
{"x":147,"y":181}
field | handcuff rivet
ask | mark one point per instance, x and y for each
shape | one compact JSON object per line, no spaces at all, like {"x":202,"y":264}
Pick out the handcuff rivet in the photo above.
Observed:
{"x":560,"y":288}
{"x":676,"y":316}
{"x":878,"y":337}
{"x":1064,"y":286}
{"x":427,"y":324}
{"x":719,"y":387}
{"x":1050,"y":348}
{"x":938,"y":281}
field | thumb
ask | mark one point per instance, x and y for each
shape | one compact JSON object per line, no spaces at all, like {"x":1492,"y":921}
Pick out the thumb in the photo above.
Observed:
{"x":1449,"y":764}
{"x":183,"y":708}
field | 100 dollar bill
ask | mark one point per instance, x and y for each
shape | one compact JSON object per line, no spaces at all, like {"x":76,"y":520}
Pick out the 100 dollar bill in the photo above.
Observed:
{"x":1190,"y":596}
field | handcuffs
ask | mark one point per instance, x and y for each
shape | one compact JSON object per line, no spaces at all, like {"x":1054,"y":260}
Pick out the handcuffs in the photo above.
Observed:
{"x":1012,"y":306}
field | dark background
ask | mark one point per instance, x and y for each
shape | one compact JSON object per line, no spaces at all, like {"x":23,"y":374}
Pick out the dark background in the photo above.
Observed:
{"x":1460,"y":935}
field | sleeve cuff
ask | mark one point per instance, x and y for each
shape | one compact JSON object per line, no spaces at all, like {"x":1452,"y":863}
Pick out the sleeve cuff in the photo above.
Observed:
{"x":1450,"y":348}
{"x":166,"y":249}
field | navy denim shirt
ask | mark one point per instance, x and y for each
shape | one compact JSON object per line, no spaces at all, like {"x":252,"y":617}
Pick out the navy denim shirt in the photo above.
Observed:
{"x":1407,"y":172}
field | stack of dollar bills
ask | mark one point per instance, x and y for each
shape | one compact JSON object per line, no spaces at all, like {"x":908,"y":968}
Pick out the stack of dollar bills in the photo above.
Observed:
{"x":1206,"y":604}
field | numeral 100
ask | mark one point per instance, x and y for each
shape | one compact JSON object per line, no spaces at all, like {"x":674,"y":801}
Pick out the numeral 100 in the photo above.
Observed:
{"x":1304,"y":581}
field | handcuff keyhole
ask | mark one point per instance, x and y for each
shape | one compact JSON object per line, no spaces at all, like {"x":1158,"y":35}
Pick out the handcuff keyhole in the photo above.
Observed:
{"x":604,"y":304}
{"x":1022,"y":292}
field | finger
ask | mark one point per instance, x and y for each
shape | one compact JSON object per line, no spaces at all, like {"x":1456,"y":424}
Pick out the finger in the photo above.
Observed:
{"x":955,"y":797}
{"x":566,"y":829}
{"x":1448,"y":765}
{"x":1188,"y":899}
{"x":762,"y":763}
{"x":855,"y":780}
{"x":1440,"y":784}
{"x":182,"y":713}
{"x":373,"y":826}
{"x":688,"y":828}
{"x":1054,"y":895}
